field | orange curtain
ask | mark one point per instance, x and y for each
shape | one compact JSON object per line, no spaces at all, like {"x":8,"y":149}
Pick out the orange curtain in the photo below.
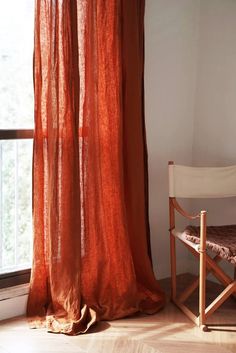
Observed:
{"x":90,"y":258}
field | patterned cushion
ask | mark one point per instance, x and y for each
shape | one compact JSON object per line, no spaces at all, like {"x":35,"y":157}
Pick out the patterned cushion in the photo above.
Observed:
{"x":220,"y":239}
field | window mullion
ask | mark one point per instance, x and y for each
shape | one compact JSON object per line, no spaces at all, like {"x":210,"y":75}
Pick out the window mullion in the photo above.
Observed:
{"x":15,"y":134}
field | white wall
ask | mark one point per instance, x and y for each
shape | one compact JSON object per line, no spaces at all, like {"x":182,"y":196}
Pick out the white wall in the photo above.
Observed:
{"x":171,"y":41}
{"x":190,"y":88}
{"x":215,"y":117}
{"x":215,"y":114}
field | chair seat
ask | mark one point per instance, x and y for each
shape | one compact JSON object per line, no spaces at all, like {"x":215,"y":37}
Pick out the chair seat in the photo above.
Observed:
{"x":220,"y":239}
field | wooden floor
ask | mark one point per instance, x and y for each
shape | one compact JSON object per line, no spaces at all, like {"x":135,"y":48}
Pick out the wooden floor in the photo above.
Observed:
{"x":166,"y":332}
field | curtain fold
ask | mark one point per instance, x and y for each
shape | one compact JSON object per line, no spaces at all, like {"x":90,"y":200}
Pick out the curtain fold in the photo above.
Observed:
{"x":90,"y":258}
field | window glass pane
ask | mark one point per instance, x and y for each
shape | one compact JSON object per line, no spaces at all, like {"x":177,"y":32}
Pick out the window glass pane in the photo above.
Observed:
{"x":16,"y":56}
{"x":15,"y":205}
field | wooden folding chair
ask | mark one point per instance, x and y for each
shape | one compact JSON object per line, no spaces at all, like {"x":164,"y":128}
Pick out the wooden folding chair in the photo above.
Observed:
{"x":201,"y":182}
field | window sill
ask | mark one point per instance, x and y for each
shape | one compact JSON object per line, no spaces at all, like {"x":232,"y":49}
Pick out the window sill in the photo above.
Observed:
{"x":15,"y":278}
{"x":13,"y":292}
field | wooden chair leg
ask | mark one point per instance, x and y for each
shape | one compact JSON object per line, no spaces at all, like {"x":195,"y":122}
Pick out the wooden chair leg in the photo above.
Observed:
{"x":202,"y":270}
{"x":173,"y":266}
{"x":172,"y":250}
{"x":220,"y":299}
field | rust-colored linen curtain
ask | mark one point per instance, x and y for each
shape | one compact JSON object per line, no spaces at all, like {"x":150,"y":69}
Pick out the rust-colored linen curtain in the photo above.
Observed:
{"x":90,"y":257}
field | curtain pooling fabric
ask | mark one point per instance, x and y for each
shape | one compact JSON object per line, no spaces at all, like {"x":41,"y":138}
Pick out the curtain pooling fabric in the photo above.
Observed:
{"x":90,"y":258}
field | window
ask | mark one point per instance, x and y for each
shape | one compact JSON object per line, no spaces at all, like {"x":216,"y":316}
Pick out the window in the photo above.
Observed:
{"x":16,"y":133}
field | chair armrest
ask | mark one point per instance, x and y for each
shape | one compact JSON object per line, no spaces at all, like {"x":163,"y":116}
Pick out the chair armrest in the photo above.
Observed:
{"x":179,"y":209}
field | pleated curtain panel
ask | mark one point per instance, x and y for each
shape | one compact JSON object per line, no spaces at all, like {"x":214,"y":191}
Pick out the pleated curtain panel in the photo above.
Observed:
{"x":91,"y":235}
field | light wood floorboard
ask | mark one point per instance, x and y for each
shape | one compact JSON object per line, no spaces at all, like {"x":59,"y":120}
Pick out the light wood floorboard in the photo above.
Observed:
{"x":169,"y":331}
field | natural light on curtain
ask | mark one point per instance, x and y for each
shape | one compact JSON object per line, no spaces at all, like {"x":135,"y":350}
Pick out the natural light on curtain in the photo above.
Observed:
{"x":89,"y":200}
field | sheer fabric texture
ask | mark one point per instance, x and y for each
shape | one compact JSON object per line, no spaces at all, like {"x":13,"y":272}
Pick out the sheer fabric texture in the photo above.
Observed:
{"x":91,"y":258}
